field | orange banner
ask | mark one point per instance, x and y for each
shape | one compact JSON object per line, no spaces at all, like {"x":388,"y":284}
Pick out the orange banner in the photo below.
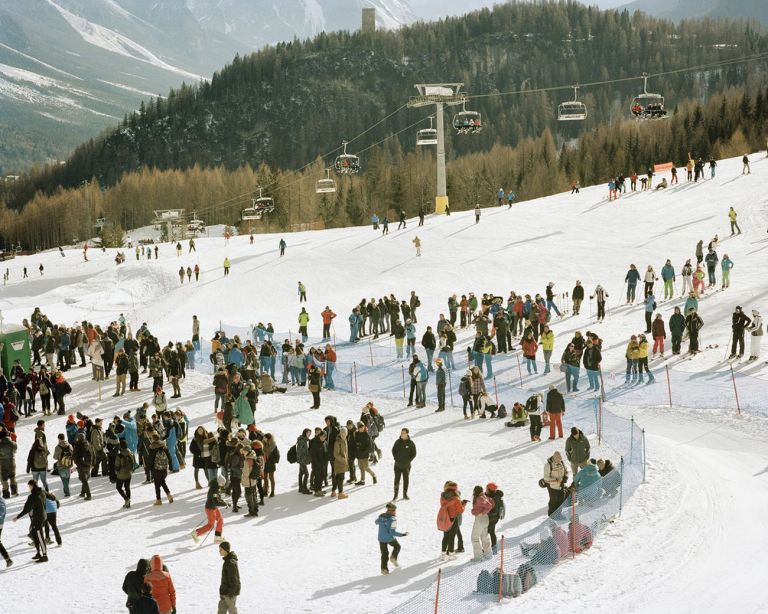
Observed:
{"x":658,"y":168}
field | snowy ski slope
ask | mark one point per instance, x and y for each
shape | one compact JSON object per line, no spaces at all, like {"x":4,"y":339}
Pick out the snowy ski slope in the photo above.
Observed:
{"x":692,"y":538}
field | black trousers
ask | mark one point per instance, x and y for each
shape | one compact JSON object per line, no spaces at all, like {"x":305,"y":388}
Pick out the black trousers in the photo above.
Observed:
{"x":124,"y":488}
{"x":134,"y":380}
{"x":738,"y":340}
{"x":413,"y":389}
{"x":326,"y":331}
{"x":600,"y":310}
{"x":318,"y":476}
{"x":404,"y":473}
{"x":303,"y":477}
{"x":384,"y":548}
{"x":3,"y":551}
{"x":676,"y":342}
{"x":555,"y":499}
{"x":648,"y":315}
{"x":449,"y":537}
{"x":36,"y":534}
{"x":535,"y":425}
{"x":50,"y":525}
{"x":492,"y":531}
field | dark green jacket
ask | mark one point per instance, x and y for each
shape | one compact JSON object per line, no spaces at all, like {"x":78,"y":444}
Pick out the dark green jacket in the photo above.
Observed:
{"x":230,"y":576}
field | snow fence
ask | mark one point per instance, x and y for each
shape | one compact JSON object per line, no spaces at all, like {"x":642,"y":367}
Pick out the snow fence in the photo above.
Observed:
{"x":524,"y":560}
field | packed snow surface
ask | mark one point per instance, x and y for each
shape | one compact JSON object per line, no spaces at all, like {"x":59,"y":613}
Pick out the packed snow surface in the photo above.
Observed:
{"x":691,"y":539}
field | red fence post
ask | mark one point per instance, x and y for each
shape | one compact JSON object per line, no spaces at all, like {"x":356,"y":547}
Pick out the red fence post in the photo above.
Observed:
{"x":735,"y":390}
{"x":501,"y":569}
{"x":437,"y":593}
{"x":496,"y":392}
{"x":520,"y":370}
{"x":669,"y":385}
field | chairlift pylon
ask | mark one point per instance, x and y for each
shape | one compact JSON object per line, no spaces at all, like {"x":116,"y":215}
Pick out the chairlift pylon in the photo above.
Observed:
{"x":648,"y":105}
{"x":572,"y":110}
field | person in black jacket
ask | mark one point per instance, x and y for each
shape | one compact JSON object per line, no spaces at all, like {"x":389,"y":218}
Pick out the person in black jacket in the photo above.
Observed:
{"x":494,"y":494}
{"x":592,"y":359}
{"x":229,"y":588}
{"x":319,"y":459}
{"x":212,"y":504}
{"x":556,"y":409}
{"x":363,"y":448}
{"x":133,"y":583}
{"x":35,"y":507}
{"x":739,"y":323}
{"x":145,"y":603}
{"x":404,"y":451}
{"x":577,"y":296}
{"x":331,"y":432}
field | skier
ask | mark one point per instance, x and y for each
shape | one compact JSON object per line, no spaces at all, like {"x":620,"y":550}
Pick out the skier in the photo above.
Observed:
{"x":732,"y":215}
{"x":711,"y":261}
{"x":327,"y":315}
{"x":726,"y":264}
{"x":551,"y":298}
{"x":229,"y":589}
{"x":226,"y":266}
{"x":178,"y":249}
{"x":511,"y":198}
{"x":712,"y":167}
{"x":500,"y":196}
{"x":417,"y":245}
{"x":440,"y":385}
{"x":354,"y":325}
{"x":189,"y":274}
{"x":659,"y":334}
{"x":385,"y":226}
{"x":388,"y":535}
{"x":700,"y":251}
{"x":181,"y":275}
{"x":402,"y":220}
{"x":631,"y":279}
{"x":676,"y":329}
{"x":197,"y":272}
{"x":375,"y":221}
{"x":668,"y":276}
{"x":693,"y":324}
{"x":650,"y":306}
{"x":477,"y":213}
{"x":756,"y":332}
{"x":745,"y":169}
{"x":575,"y":186}
{"x":650,"y":280}
{"x":303,"y":321}
{"x":41,"y":268}
{"x":600,"y":294}
{"x":687,"y":275}
{"x":213,"y":502}
{"x":421,"y":216}
{"x":25,"y":273}
{"x":192,"y":246}
{"x":282,"y":245}
{"x":739,"y":323}
{"x":302,"y":293}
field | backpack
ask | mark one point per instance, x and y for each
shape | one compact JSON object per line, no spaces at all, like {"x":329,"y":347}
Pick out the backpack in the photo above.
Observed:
{"x":215,"y":453}
{"x":378,"y":420}
{"x":501,"y":507}
{"x":161,"y":460}
{"x":444,"y":521}
{"x":527,"y":575}
{"x":66,"y":460}
{"x":510,"y":584}
{"x":292,"y":454}
{"x":43,"y":389}
{"x":485,"y":583}
{"x":502,"y":413}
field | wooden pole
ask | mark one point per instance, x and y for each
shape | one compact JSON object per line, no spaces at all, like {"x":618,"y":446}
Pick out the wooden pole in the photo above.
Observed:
{"x":519,"y":370}
{"x":501,"y":569}
{"x":669,"y":385}
{"x":437,"y":592}
{"x":735,"y":390}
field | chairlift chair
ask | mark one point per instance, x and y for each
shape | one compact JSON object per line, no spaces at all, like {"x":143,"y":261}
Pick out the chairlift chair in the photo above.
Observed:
{"x":427,"y":136}
{"x":327,"y":185}
{"x":346,"y":164}
{"x":647,"y":105}
{"x":467,"y":122}
{"x":572,"y":110}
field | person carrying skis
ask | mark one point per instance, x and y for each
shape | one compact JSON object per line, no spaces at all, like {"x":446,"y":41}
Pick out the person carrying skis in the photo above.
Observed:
{"x":739,"y":323}
{"x":388,"y":534}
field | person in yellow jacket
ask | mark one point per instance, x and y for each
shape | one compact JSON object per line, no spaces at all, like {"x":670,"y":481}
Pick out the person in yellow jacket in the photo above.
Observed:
{"x":226,"y":266}
{"x":547,"y":341}
{"x":732,"y":215}
{"x":303,"y":321}
{"x":642,"y":360}
{"x":632,"y":354}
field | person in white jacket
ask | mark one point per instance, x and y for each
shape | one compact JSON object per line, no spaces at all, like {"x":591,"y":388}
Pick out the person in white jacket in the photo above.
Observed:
{"x":649,"y":279}
{"x":96,"y":354}
{"x":756,"y":331}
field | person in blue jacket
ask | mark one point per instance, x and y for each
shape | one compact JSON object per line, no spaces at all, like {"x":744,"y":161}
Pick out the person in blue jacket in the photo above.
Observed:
{"x":71,"y":428}
{"x":388,"y":535}
{"x":668,"y":276}
{"x":130,"y":432}
{"x":235,"y":356}
{"x":354,"y":325}
{"x":631,"y":279}
{"x":410,"y":338}
{"x":587,"y":482}
{"x":711,"y":259}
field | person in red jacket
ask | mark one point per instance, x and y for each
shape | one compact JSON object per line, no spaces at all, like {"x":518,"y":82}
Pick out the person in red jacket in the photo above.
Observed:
{"x":163,"y":590}
{"x":328,"y":317}
{"x":451,"y":508}
{"x":481,"y":507}
{"x":330,"y":366}
{"x":530,"y":346}
{"x":659,"y":334}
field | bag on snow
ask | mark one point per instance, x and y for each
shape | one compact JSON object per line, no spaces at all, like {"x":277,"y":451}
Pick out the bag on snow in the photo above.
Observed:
{"x":485,"y":582}
{"x":527,"y":575}
{"x":502,"y":413}
{"x":292,"y":454}
{"x":510,"y":584}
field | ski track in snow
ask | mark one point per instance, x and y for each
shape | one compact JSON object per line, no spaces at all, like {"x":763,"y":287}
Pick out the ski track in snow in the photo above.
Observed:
{"x":691,"y":539}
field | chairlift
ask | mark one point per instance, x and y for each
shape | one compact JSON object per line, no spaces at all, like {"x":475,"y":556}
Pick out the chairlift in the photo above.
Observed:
{"x":195,"y":224}
{"x":100,"y":222}
{"x":327,"y":185}
{"x":467,"y":122}
{"x":260,"y":206}
{"x":346,"y":164}
{"x":572,"y":110}
{"x":647,"y":105}
{"x":427,"y":136}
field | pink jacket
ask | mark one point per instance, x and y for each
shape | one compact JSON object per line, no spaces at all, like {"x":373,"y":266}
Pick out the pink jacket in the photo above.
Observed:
{"x":482,"y":505}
